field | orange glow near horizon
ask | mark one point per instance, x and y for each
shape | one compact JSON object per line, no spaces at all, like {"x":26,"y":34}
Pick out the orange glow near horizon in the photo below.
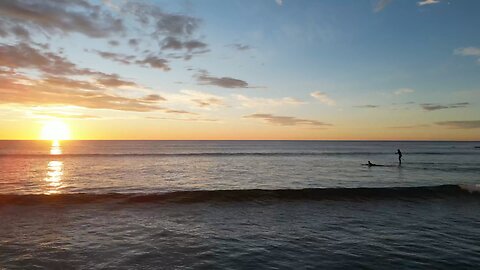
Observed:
{"x":147,"y":129}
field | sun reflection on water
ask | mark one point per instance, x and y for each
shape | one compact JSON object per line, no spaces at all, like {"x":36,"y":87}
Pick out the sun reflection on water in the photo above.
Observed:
{"x":54,"y":177}
{"x":54,"y":173}
{"x":56,"y":149}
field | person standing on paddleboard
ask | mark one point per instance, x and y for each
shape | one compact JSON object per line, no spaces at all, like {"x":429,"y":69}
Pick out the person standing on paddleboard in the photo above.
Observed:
{"x":399,"y":153}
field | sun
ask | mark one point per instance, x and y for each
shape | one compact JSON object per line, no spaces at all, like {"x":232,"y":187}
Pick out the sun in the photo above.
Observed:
{"x":55,"y":130}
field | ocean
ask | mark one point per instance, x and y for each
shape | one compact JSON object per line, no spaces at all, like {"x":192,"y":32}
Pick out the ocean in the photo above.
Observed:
{"x":239,"y":205}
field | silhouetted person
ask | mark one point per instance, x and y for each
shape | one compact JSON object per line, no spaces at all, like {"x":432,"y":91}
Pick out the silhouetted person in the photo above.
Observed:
{"x":399,"y":153}
{"x":370,"y":164}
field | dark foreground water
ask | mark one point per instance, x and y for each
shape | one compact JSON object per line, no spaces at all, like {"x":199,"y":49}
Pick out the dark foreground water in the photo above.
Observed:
{"x":239,"y":205}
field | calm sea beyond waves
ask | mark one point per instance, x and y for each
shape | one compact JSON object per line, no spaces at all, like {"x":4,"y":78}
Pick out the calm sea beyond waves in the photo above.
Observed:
{"x":239,"y":205}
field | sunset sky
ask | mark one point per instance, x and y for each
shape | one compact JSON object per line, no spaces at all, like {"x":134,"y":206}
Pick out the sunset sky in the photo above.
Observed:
{"x":237,"y":69}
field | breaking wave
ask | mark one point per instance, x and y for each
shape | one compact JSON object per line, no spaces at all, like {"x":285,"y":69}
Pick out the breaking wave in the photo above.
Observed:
{"x":248,"y":195}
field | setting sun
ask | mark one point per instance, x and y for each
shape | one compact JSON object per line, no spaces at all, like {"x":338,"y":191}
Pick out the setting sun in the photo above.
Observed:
{"x":55,"y":130}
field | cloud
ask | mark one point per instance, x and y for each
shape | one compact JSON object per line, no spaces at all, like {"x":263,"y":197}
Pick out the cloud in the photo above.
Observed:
{"x":175,"y":44}
{"x":368,"y":106}
{"x":117,"y":57}
{"x":23,"y":56}
{"x":410,"y":126}
{"x":59,"y":16}
{"x":147,"y":22}
{"x":460,"y":124}
{"x":93,"y":93}
{"x":33,"y":74}
{"x":163,"y":23}
{"x":178,"y":111}
{"x":64,"y":115}
{"x":427,"y":2}
{"x":434,"y":107}
{"x":63,"y":82}
{"x":133,"y":42}
{"x":468,"y":51}
{"x":380,"y":5}
{"x":148,"y":61}
{"x":113,"y":43}
{"x":43,"y":92}
{"x":323,"y":98}
{"x":173,"y":31}
{"x":113,"y":80}
{"x":21,"y":32}
{"x":264,"y":102}
{"x":196,"y":99}
{"x":154,"y":98}
{"x":239,"y":46}
{"x":189,"y":119}
{"x":279,"y":2}
{"x":154,"y":62}
{"x":203,"y":100}
{"x":286,"y":120}
{"x":403,"y":91}
{"x":226,"y":82}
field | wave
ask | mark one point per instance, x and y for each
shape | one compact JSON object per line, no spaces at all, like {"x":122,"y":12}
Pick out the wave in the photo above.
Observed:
{"x":251,"y":195}
{"x":230,"y":154}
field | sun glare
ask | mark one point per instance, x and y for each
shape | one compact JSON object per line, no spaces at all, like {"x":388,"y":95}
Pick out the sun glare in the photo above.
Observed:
{"x":55,"y":130}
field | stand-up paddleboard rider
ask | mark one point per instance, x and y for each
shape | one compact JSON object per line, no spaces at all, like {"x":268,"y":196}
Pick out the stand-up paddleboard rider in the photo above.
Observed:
{"x":399,"y":153}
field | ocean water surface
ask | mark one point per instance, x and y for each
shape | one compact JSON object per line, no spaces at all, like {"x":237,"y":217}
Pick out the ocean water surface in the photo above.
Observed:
{"x":239,"y":205}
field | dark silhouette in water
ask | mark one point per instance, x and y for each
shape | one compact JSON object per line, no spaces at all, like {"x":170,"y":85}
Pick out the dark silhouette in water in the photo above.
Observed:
{"x":370,"y":164}
{"x":399,"y":153}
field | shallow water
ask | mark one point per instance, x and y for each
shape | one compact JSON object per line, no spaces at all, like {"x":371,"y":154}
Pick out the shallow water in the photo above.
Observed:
{"x":239,"y":205}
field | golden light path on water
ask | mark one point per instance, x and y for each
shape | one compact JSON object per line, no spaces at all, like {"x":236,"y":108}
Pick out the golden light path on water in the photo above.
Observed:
{"x":54,"y":174}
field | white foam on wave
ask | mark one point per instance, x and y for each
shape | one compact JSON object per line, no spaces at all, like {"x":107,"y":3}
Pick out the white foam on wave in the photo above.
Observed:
{"x":471,"y":188}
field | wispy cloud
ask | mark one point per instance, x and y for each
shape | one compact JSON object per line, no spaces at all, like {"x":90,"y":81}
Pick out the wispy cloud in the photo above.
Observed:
{"x":188,"y":119}
{"x":141,"y":23}
{"x":147,"y":61}
{"x":64,"y":17}
{"x":23,"y":56}
{"x":279,"y":2}
{"x":380,"y":5}
{"x":154,"y":62}
{"x":367,"y":106}
{"x":26,"y":91}
{"x":196,"y":99}
{"x":205,"y":78}
{"x":323,"y":98}
{"x":468,"y":51}
{"x":403,"y":91}
{"x":460,"y":124}
{"x":286,"y":120}
{"x":434,"y":107}
{"x":117,"y":57}
{"x":92,"y":92}
{"x":202,"y":99}
{"x":256,"y":102}
{"x":240,"y":47}
{"x":427,"y":2}
{"x":64,"y":115}
{"x":410,"y":126}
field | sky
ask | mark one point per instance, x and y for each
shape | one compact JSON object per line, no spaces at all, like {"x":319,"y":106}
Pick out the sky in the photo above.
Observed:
{"x":241,"y":69}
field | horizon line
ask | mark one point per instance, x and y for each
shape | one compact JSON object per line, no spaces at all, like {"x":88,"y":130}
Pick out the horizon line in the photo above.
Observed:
{"x":306,"y":140}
